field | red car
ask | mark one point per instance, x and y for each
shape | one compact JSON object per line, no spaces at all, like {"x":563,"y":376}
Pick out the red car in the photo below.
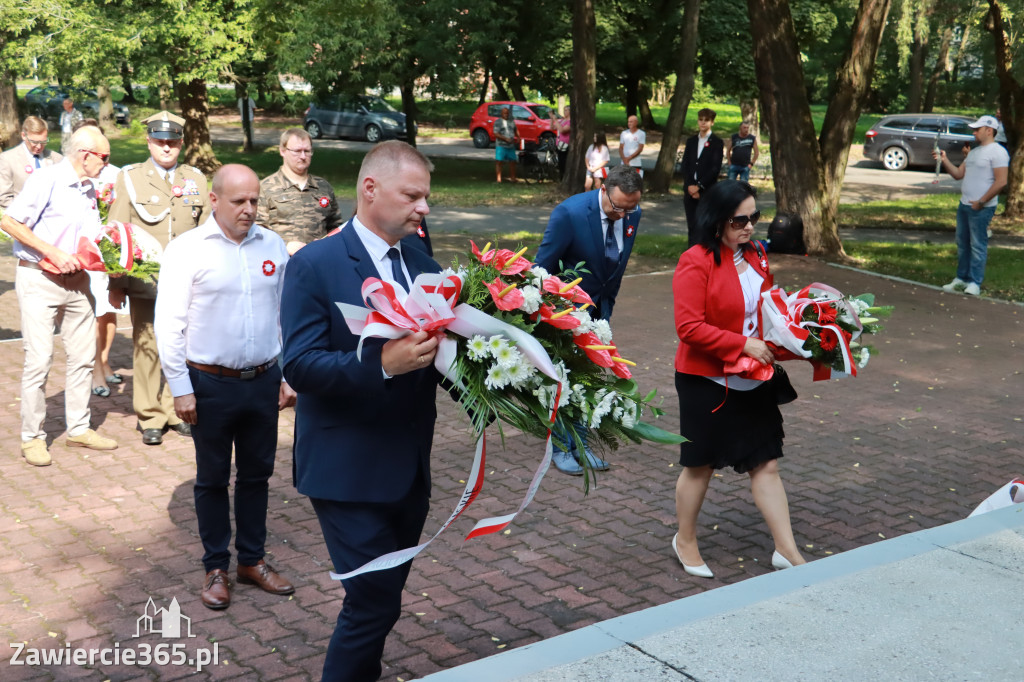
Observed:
{"x":533,"y":121}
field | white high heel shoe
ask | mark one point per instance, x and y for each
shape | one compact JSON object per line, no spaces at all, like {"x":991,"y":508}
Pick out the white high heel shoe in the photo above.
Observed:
{"x":780,"y":562}
{"x":701,"y":571}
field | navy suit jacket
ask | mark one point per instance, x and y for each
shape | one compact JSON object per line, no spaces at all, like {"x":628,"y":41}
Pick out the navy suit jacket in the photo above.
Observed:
{"x":358,"y":437}
{"x":708,"y":166}
{"x":574,"y":234}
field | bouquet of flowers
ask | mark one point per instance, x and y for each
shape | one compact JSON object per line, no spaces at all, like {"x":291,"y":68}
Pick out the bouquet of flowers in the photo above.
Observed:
{"x":821,"y":325}
{"x":519,"y":348}
{"x":117,"y":241}
{"x":104,"y":199}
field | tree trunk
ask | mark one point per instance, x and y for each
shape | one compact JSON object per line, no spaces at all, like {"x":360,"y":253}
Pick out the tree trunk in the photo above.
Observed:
{"x":796,"y":165}
{"x":661,"y":178}
{"x":937,"y":71}
{"x":106,"y":112}
{"x":409,"y":107}
{"x":748,"y":112}
{"x":126,"y":84}
{"x":195,"y":109}
{"x":485,"y":87}
{"x":1011,"y":103}
{"x":584,"y":93}
{"x":242,"y":95}
{"x":918,"y":52}
{"x":499,"y":88}
{"x":515,"y":84}
{"x":965,"y":34}
{"x":165,"y":90}
{"x":646,"y":117}
{"x":8,"y":109}
{"x":852,"y":85}
{"x":632,"y":85}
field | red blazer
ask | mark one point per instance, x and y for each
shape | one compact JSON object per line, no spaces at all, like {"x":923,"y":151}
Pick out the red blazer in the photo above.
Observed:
{"x":709,"y":309}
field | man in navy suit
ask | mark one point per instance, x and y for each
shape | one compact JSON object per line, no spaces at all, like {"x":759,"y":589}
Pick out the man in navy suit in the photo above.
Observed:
{"x":598,"y":228}
{"x":363,"y":428}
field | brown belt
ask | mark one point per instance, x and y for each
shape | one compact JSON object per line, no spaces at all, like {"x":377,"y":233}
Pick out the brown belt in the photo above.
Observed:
{"x":29,"y":264}
{"x":246,"y":373}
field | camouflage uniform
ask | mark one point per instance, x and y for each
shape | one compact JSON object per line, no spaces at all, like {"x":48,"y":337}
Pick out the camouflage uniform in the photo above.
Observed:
{"x":298,"y":214}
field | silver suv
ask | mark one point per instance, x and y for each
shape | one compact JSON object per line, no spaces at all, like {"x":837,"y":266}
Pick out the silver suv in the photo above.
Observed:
{"x":908,"y":139}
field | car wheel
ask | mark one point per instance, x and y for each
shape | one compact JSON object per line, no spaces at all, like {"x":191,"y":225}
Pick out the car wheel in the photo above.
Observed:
{"x":314,"y":130}
{"x":547,"y":137}
{"x":895,"y":159}
{"x":373,"y":133}
{"x":481,"y":140}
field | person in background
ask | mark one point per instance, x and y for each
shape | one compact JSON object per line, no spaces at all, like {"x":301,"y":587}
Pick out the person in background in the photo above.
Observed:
{"x":729,"y":421}
{"x":742,"y":153}
{"x":18,"y":163}
{"x":563,"y":131}
{"x":68,"y":118}
{"x":702,"y":163}
{"x":631,"y":144}
{"x":984,"y":172}
{"x":597,"y":162}
{"x":505,"y":136}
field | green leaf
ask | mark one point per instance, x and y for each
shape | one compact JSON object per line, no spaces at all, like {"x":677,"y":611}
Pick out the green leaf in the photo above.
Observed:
{"x":655,"y":434}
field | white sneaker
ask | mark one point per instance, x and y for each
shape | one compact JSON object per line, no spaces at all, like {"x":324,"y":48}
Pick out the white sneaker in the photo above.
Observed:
{"x":956,"y":285}
{"x":972,"y":289}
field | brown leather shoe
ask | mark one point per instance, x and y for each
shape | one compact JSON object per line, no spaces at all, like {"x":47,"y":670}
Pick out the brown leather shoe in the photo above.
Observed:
{"x":264,"y":577}
{"x":217,"y":590}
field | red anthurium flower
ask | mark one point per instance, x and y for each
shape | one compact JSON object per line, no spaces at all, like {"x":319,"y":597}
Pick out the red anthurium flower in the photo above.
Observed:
{"x":829,"y":340}
{"x":511,"y":263}
{"x":484,"y":258}
{"x":553,"y":285}
{"x":512,"y":299}
{"x":621,"y":370}
{"x":547,"y":314}
{"x":595,"y":350}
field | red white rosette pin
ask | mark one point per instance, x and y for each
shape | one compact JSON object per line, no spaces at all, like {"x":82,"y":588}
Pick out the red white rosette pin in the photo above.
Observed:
{"x":629,"y":230}
{"x":269,"y":268}
{"x":28,"y":169}
{"x":420,"y":232}
{"x":324,"y":202}
{"x":177,"y":190}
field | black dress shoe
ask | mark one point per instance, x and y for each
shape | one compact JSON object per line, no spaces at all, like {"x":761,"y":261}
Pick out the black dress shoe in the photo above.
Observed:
{"x":152,"y":436}
{"x":181,"y":427}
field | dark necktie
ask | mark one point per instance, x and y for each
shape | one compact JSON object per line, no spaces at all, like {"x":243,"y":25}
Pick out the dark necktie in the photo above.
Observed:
{"x":396,"y":268}
{"x":37,"y":161}
{"x":611,"y":247}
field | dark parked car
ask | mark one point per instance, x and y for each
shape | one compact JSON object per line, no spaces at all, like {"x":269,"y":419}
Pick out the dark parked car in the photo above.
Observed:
{"x":908,"y":139}
{"x":47,"y":101}
{"x":366,"y":117}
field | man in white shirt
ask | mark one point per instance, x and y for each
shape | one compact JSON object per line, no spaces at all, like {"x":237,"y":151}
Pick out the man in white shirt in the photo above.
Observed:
{"x":55,"y":209}
{"x":69,"y":118}
{"x":631,"y":144}
{"x":218,"y":334}
{"x":984,"y":174}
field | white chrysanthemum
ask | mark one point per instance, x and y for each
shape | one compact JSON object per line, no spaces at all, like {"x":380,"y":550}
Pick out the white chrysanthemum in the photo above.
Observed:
{"x":495,"y":344}
{"x":601,"y":409}
{"x":865,"y":355}
{"x":448,"y":272}
{"x":537,"y":275}
{"x":586,"y":322}
{"x":477,"y":349}
{"x":508,"y":356}
{"x":497,"y":377}
{"x":521,"y":373}
{"x":603,"y":331}
{"x":859,"y":306}
{"x":546,"y":395}
{"x":531,"y":299}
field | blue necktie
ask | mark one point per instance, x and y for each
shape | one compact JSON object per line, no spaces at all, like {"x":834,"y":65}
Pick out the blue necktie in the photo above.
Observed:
{"x":611,"y":247}
{"x":396,"y":268}
{"x":37,"y":161}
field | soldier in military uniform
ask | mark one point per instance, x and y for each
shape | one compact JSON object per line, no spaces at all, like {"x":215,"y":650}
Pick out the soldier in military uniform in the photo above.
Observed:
{"x":298,"y":206}
{"x":164,"y":199}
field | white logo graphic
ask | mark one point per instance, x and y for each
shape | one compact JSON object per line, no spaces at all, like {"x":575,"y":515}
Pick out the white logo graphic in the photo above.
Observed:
{"x":164,"y":622}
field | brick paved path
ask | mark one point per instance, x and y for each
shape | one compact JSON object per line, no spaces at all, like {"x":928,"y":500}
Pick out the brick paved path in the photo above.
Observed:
{"x":931,"y":427}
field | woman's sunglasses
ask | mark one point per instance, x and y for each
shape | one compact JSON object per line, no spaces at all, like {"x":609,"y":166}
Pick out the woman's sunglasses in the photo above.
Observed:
{"x":738,"y":222}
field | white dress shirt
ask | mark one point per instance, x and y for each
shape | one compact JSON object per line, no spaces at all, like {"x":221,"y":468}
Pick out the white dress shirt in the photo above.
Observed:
{"x":218,"y":302}
{"x":606,"y":223}
{"x":57,"y":207}
{"x":378,"y":250}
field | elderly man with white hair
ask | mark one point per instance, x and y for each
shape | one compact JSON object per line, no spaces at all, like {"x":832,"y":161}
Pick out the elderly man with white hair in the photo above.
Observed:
{"x":55,"y":208}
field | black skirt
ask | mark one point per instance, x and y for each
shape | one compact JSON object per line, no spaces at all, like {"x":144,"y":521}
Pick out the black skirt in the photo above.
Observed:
{"x":743,"y":433}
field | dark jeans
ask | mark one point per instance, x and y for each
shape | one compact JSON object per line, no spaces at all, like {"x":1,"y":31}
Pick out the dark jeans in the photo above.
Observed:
{"x":243,"y":414}
{"x":356,"y":533}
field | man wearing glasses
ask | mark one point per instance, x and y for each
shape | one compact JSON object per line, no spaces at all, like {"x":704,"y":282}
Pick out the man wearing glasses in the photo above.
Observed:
{"x":56,"y":207}
{"x":17,"y":164}
{"x":598,"y":228}
{"x":298,"y":206}
{"x":165,"y":199}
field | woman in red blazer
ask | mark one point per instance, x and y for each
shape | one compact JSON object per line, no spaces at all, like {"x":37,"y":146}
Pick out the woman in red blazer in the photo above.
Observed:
{"x":729,"y":420}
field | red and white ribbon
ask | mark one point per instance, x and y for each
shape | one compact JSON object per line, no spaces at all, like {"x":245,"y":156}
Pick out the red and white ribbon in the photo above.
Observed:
{"x":428,"y":307}
{"x":785,"y":328}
